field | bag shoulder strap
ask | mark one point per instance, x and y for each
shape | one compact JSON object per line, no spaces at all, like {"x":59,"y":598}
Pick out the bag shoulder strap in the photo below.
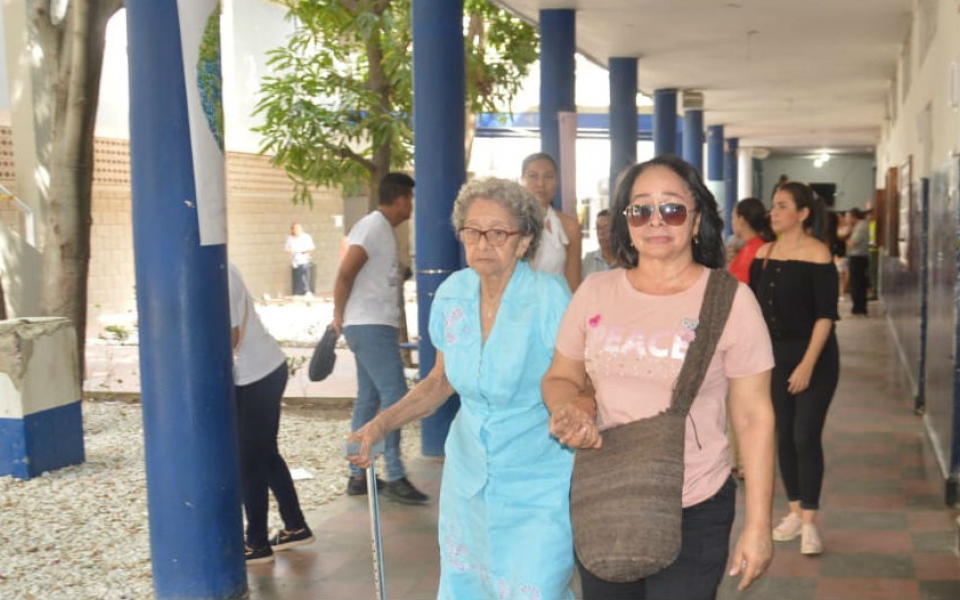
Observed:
{"x":766,"y":258}
{"x":717,"y":300}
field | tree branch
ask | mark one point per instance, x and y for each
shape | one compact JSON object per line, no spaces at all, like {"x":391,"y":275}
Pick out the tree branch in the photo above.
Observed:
{"x":349,"y":154}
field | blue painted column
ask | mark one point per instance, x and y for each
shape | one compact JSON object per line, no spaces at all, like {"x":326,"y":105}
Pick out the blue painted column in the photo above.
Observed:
{"x":438,"y":92}
{"x":558,"y":38}
{"x":186,"y":362}
{"x":678,"y":145}
{"x":715,"y":166}
{"x":730,"y":164}
{"x":664,"y":122}
{"x":623,"y":117}
{"x":693,"y":128}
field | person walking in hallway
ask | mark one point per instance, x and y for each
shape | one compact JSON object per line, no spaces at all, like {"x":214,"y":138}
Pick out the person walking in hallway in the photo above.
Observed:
{"x":858,"y":260}
{"x":366,"y":311}
{"x":260,"y":376}
{"x":618,"y":358}
{"x":504,"y":520}
{"x":752,"y":226}
{"x":796,"y":283}
{"x":561,"y":243}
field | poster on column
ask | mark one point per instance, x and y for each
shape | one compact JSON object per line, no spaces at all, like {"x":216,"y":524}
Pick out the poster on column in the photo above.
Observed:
{"x":200,"y":43}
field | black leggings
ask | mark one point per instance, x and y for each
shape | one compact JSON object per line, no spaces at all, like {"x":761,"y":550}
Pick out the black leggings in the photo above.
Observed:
{"x":261,"y":466}
{"x":800,"y":420}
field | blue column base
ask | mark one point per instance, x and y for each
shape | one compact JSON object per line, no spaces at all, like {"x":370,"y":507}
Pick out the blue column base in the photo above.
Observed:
{"x":43,"y":441}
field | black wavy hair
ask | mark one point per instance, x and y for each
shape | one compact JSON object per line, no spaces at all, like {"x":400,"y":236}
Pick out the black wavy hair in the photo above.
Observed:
{"x":708,"y":244}
{"x":804,"y":197}
{"x":755,"y":214}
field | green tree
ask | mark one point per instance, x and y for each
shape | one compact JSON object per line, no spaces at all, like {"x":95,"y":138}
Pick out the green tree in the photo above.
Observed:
{"x":337,"y":110}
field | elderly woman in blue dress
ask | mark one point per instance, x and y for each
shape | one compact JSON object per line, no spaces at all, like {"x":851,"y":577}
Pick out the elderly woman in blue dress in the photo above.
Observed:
{"x":504,"y":523}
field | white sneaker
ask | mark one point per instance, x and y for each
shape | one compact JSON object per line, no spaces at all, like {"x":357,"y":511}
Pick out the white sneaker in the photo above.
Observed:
{"x":788,"y":529}
{"x":810,"y":540}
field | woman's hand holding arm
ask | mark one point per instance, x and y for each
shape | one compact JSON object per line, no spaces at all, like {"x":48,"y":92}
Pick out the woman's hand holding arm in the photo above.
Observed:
{"x":571,"y":401}
{"x":419,"y":402}
{"x":751,"y":413}
{"x":800,"y":378}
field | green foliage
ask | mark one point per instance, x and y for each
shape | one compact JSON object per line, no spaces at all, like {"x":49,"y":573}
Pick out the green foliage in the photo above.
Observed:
{"x":499,"y":50}
{"x":337,"y":109}
{"x":295,"y":363}
{"x":117,"y":332}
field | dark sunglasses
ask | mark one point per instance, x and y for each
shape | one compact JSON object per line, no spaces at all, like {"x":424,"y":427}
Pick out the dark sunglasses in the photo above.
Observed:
{"x":671,"y":213}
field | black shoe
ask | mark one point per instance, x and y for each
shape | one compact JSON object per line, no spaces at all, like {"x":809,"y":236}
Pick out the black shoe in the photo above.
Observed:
{"x":357,"y":486}
{"x":256,"y":556}
{"x":403,"y":491}
{"x":286,"y":539}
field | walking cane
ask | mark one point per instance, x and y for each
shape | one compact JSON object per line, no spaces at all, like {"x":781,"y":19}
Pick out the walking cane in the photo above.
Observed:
{"x":373,"y":501}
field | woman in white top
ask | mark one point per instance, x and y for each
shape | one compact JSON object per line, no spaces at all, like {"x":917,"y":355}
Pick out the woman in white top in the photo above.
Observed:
{"x":260,"y":376}
{"x":560,"y":244}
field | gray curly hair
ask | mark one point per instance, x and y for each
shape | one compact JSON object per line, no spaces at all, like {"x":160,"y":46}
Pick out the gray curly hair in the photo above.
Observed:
{"x":523,"y":205}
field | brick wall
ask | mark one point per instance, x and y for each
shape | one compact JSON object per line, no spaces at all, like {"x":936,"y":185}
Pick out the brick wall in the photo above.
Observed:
{"x":9,"y":214}
{"x":259,"y":213}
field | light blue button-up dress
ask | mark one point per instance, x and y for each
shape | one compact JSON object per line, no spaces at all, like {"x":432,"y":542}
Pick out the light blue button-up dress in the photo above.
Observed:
{"x":504,"y":523}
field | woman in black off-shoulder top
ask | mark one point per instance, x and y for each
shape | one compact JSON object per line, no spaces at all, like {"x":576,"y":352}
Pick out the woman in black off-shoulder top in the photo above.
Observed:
{"x":796,"y":284}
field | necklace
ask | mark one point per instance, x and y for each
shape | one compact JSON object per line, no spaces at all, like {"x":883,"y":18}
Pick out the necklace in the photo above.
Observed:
{"x":490,"y":308}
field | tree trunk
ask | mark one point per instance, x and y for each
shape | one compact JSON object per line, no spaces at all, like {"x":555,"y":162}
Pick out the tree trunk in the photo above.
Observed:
{"x":73,"y":54}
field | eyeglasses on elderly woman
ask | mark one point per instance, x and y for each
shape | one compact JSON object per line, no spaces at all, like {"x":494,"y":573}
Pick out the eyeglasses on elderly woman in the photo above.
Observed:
{"x":495,"y":237}
{"x":671,"y":213}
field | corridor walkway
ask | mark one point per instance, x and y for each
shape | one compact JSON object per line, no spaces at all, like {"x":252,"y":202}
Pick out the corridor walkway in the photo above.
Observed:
{"x":886,"y":531}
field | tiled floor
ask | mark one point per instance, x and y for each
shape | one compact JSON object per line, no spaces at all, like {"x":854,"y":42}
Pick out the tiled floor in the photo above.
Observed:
{"x":885,"y":528}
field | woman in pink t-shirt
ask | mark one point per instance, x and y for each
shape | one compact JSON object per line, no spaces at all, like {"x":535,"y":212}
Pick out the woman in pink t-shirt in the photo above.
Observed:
{"x":625,"y":335}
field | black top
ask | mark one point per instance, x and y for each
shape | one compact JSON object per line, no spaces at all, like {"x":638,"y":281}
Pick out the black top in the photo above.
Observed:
{"x":794,"y":294}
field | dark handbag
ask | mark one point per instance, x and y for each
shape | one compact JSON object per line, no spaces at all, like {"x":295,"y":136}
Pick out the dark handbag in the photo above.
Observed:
{"x":626,"y":498}
{"x":324,"y":356}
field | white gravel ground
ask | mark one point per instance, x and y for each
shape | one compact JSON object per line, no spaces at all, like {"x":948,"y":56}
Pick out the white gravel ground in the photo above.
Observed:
{"x":81,"y":533}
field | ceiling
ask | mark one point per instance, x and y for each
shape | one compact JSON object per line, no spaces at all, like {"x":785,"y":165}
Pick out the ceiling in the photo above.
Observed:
{"x":786,"y":75}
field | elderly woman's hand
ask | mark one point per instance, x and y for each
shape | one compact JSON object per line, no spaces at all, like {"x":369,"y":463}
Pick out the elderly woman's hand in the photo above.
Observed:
{"x":574,"y":428}
{"x":367,"y":438}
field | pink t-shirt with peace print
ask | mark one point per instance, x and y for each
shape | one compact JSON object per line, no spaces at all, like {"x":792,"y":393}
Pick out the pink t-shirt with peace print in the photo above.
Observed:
{"x":633,"y":345}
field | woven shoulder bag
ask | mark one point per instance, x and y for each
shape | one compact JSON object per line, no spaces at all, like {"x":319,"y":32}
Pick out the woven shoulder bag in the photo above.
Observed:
{"x":626,"y":498}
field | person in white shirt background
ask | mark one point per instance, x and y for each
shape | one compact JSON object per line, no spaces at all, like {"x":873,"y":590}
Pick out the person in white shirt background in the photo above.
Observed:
{"x":366,"y":310}
{"x":299,"y":245}
{"x":559,"y":250}
{"x":260,"y":377}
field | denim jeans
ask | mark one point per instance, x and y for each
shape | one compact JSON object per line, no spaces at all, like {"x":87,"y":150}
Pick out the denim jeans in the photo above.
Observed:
{"x":261,"y":466}
{"x":697,"y":571}
{"x":380,"y":383}
{"x":301,"y":279}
